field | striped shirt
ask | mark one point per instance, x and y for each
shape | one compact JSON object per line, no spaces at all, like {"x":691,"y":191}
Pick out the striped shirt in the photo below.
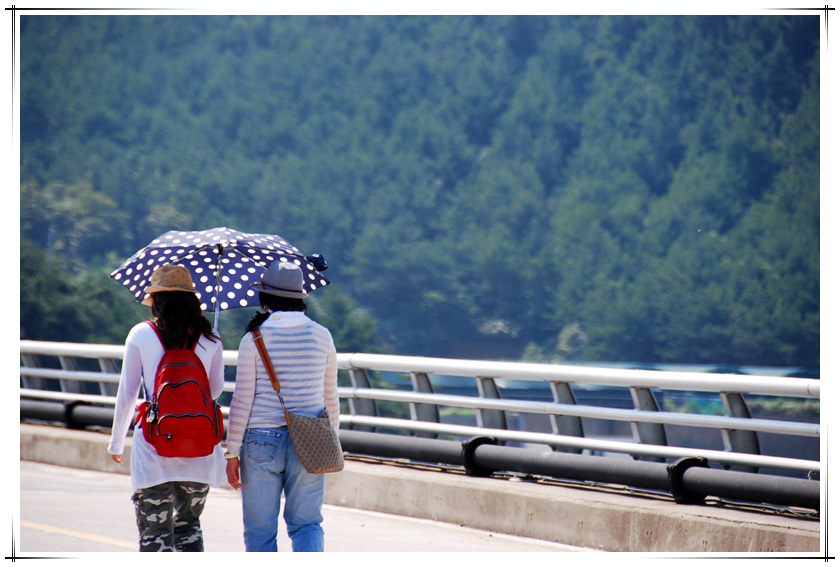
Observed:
{"x":304,"y":359}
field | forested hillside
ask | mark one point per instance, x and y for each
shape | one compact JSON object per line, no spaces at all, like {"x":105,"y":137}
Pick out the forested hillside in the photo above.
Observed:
{"x":639,"y":189}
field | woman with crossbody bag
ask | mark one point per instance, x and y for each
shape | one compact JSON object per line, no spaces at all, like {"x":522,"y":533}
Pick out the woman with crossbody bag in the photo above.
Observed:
{"x":262,"y":460}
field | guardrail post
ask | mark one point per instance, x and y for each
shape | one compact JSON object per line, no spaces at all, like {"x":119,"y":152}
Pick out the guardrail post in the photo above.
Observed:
{"x":31,"y":361}
{"x":647,"y":433}
{"x":493,"y":419}
{"x":423,"y":412}
{"x":739,"y":441}
{"x":359,"y":379}
{"x":565,"y":424}
{"x":107,"y":388}
{"x":74,"y":386}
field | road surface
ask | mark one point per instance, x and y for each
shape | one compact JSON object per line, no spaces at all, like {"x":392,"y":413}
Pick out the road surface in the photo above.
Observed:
{"x":72,"y":512}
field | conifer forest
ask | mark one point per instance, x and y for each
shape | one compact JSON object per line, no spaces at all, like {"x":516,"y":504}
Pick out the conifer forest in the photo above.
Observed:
{"x":639,"y":189}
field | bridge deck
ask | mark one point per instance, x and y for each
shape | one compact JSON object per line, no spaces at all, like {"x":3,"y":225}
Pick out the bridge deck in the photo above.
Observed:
{"x":590,"y":518}
{"x":75,"y":511}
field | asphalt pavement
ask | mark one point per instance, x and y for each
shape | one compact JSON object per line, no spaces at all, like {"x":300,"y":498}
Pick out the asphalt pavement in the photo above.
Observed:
{"x":71,"y":512}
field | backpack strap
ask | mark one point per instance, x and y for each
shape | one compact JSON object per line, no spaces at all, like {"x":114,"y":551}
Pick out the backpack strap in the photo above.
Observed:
{"x":192,"y":338}
{"x":154,"y":327}
{"x":193,"y":335}
{"x":142,"y":378}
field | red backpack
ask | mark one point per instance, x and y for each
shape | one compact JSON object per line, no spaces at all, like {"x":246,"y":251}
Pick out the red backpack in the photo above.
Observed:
{"x":182,"y":419}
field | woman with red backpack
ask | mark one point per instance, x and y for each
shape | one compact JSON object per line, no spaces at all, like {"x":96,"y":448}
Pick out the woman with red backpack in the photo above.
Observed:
{"x":169,"y":491}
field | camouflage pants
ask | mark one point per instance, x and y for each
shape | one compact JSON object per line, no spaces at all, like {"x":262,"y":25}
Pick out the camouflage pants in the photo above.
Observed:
{"x":167,"y":516}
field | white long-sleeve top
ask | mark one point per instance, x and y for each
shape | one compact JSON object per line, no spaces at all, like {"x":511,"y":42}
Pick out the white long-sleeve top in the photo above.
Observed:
{"x":304,"y":359}
{"x":143,"y":352}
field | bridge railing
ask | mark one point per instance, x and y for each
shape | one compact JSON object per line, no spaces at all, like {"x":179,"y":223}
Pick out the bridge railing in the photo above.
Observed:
{"x":90,"y":374}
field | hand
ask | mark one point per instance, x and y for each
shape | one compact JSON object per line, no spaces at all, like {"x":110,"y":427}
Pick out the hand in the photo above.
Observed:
{"x":117,"y":458}
{"x":233,"y":472}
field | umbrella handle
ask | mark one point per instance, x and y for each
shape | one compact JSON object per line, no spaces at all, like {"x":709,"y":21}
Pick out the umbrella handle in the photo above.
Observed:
{"x":219,"y":252}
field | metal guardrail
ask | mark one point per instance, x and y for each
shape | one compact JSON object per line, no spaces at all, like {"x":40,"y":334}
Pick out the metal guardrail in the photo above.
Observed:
{"x":738,"y":429}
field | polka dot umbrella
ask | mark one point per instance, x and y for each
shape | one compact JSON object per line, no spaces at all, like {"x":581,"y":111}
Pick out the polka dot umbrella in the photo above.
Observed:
{"x":223,"y":264}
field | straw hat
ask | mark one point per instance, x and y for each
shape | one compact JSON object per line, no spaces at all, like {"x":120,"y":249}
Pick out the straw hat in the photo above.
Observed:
{"x":282,"y":278}
{"x":169,"y":277}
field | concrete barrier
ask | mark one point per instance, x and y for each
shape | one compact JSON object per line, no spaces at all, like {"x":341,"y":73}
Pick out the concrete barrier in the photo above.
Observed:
{"x":593,"y":517}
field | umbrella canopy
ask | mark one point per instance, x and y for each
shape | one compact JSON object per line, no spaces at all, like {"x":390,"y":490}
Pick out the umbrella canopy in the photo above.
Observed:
{"x":223,"y":264}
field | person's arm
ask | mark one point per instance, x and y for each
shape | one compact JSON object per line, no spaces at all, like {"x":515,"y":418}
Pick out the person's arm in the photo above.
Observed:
{"x":243,"y":394}
{"x":232,"y":471}
{"x":131,"y":378}
{"x":331,"y":401}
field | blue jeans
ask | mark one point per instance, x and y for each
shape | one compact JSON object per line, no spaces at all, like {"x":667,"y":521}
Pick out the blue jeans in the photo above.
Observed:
{"x":270,"y":467}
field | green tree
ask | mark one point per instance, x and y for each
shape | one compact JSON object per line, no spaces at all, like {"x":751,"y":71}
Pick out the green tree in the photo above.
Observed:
{"x":72,"y":221}
{"x":477,"y":183}
{"x":58,"y":305}
{"x":353,"y":329}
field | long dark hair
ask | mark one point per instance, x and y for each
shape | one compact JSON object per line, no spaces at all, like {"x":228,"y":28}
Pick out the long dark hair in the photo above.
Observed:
{"x":177,"y":312}
{"x":273,"y":303}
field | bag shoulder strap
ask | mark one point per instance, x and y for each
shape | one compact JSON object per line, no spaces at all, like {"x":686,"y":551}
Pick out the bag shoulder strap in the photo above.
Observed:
{"x":266,"y":360}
